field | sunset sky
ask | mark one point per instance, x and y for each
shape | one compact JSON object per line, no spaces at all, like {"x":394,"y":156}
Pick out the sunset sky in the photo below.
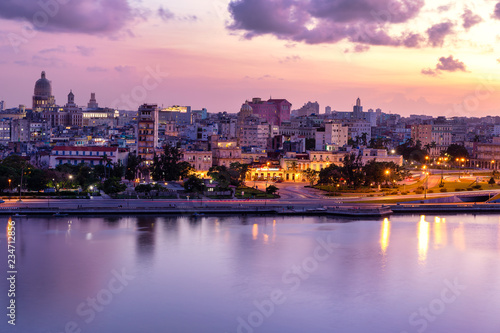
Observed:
{"x":403,"y":56}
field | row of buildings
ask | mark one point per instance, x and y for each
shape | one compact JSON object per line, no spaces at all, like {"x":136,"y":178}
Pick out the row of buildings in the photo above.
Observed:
{"x":261,"y":132}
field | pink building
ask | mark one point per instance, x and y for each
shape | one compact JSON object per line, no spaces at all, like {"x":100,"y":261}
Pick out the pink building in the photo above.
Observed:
{"x":275,"y":111}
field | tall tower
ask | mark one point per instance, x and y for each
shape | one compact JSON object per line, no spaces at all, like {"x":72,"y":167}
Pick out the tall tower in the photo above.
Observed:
{"x":147,"y":131}
{"x":71,"y":98}
{"x":42,"y":97}
{"x":358,"y":110}
{"x":93,"y":102}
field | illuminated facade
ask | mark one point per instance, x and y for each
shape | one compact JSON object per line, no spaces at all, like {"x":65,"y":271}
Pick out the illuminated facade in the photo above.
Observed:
{"x":42,"y":97}
{"x":147,"y":132}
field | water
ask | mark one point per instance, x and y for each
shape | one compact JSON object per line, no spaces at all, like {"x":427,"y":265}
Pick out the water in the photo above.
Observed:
{"x":255,"y":274}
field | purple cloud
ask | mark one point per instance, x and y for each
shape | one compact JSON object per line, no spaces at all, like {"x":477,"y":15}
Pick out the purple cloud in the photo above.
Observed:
{"x":496,"y":13}
{"x":72,"y":16}
{"x":450,"y":65}
{"x":445,"y":64}
{"x":165,"y":14}
{"x":429,"y":71}
{"x":438,"y":32}
{"x":470,"y":19}
{"x":325,"y":21}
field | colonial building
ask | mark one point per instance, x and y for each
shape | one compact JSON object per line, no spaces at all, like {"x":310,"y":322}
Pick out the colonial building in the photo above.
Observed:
{"x":42,"y":97}
{"x":88,"y":155}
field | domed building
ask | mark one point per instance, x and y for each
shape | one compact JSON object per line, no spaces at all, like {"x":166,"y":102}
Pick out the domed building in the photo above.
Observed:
{"x":245,"y":112}
{"x":42,"y":97}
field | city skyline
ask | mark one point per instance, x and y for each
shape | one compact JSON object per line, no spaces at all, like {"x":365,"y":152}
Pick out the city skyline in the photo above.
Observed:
{"x":409,"y":57}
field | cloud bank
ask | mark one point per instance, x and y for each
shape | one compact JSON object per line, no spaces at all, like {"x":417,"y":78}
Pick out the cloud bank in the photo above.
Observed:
{"x":70,"y":16}
{"x":327,"y":21}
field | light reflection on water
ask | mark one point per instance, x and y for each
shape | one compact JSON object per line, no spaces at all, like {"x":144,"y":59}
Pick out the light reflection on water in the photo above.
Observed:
{"x":202,"y":274}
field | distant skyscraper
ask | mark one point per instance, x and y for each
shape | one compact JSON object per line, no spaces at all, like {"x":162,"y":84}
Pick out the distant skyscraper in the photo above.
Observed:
{"x":93,"y":102}
{"x":358,"y":110}
{"x":42,"y":97}
{"x":147,"y":132}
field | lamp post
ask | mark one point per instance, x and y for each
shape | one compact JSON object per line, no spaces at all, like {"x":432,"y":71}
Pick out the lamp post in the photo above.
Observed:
{"x":21,"y":186}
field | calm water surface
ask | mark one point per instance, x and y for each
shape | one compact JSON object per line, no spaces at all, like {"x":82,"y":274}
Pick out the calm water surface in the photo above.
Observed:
{"x":255,"y":274}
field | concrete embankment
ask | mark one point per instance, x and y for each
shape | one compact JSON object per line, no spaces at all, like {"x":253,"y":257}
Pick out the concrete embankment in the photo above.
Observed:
{"x":446,"y":208}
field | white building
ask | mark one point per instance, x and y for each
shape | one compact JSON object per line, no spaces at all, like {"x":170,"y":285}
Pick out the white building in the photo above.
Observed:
{"x":88,"y":155}
{"x":333,"y":136}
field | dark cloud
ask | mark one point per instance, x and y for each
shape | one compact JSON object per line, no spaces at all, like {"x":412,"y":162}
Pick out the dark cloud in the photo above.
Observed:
{"x":496,"y":13}
{"x":325,"y":21}
{"x":450,"y":65}
{"x":438,"y":32}
{"x":445,"y":64}
{"x":470,"y":19}
{"x":72,"y":16}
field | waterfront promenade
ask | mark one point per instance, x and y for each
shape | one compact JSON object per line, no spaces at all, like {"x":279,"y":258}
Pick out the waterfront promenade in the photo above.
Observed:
{"x":299,"y":206}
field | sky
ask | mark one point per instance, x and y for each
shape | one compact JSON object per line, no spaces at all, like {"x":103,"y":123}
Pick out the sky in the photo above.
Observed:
{"x":403,"y":56}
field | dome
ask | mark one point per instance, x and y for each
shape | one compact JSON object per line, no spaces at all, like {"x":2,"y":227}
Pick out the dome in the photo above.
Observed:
{"x":43,"y":87}
{"x":246,"y":107}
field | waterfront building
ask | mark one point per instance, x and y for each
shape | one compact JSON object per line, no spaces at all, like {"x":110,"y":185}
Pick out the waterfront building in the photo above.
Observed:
{"x":147,"y":132}
{"x":89,"y":155}
{"x":201,"y":161}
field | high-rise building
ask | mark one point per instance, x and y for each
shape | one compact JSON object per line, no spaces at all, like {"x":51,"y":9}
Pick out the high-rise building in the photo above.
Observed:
{"x":42,"y":97}
{"x":358,"y":110}
{"x":275,"y":111}
{"x":147,"y":132}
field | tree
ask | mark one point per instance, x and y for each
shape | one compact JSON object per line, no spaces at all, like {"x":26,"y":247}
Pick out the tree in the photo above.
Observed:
{"x":239,"y":171}
{"x":113,"y":186}
{"x":221,"y":175}
{"x":352,"y":170}
{"x":133,"y":163}
{"x":194,"y":184}
{"x":330,"y":175}
{"x":311,"y":175}
{"x":167,"y":167}
{"x":457,"y":151}
{"x":144,"y":188}
{"x":271,"y":189}
{"x":412,"y":151}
